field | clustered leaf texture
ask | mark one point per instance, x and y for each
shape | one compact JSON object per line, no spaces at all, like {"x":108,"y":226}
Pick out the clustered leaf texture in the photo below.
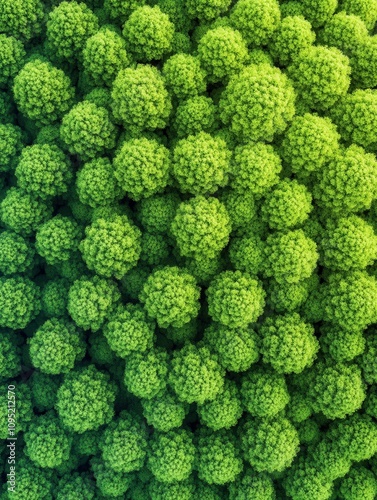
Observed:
{"x":188,"y":249}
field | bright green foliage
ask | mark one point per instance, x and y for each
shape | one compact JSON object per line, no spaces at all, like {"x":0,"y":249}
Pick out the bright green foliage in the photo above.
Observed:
{"x":342,"y":344}
{"x":171,"y":456}
{"x":318,"y":12}
{"x":201,"y":164}
{"x":257,"y":21}
{"x":366,"y":360}
{"x":269,"y":444}
{"x":33,"y":482}
{"x":123,"y":444}
{"x":23,"y":409}
{"x":288,"y":343}
{"x":44,"y":388}
{"x":321,"y":76}
{"x":87,"y":130}
{"x":19,"y":302}
{"x":348,"y":245}
{"x":91,"y":300}
{"x":104,"y":55}
{"x":21,"y":18}
{"x":304,"y":481}
{"x":140,"y":99}
{"x":310,"y":142}
{"x":298,"y":409}
{"x":47,"y":443}
{"x":236,"y":348}
{"x":224,"y":411}
{"x":171,"y":297}
{"x":294,"y":35}
{"x":195,"y":374}
{"x":111,"y":247}
{"x":219,"y":460}
{"x":11,"y":58}
{"x":258,"y":102}
{"x":356,"y":436}
{"x":43,"y":171}
{"x":207,"y":10}
{"x":347,"y":183}
{"x":290,"y":256}
{"x":148,"y":33}
{"x":337,"y":390}
{"x":157,"y":212}
{"x":184,"y":490}
{"x":345,"y":32}
{"x":355,"y":117}
{"x":10,"y":355}
{"x":264,"y":392}
{"x":176,"y":10}
{"x":16,"y":253}
{"x":87,"y":443}
{"x":164,"y":412}
{"x":142,"y":167}
{"x":42,"y":92}
{"x":235,"y":299}
{"x":129,"y":330}
{"x":86,"y":399}
{"x":10,"y":144}
{"x":56,"y":346}
{"x":58,"y":238}
{"x":69,"y":26}
{"x":154,"y":249}
{"x":350,"y":300}
{"x":120,"y":10}
{"x":365,"y":9}
{"x":184,"y":76}
{"x":240,"y":207}
{"x":252,"y":485}
{"x":287,"y":205}
{"x":146,"y":372}
{"x":359,"y":483}
{"x":96,"y":183}
{"x":256,"y":168}
{"x":204,"y":268}
{"x":76,"y":486}
{"x":194,"y":115}
{"x":110,"y":483}
{"x":201,"y":227}
{"x":288,"y":297}
{"x":222,"y":52}
{"x":246,"y":254}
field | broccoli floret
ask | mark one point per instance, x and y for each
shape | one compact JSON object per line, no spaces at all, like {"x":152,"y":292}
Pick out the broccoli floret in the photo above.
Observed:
{"x":146,"y":372}
{"x":22,"y":18}
{"x":345,"y":32}
{"x":111,"y":247}
{"x":257,"y":21}
{"x":142,"y":168}
{"x":87,"y":130}
{"x":56,"y":346}
{"x":69,"y":26}
{"x":124,"y":444}
{"x":148,"y":33}
{"x":246,"y":254}
{"x":201,"y":164}
{"x":235,"y":299}
{"x":224,"y":411}
{"x":184,"y":490}
{"x":154,"y":249}
{"x":237,"y":348}
{"x":10,"y":144}
{"x":258,"y":102}
{"x":17,"y":254}
{"x":342,"y":344}
{"x":43,"y":92}
{"x":110,"y":483}
{"x":194,"y":115}
{"x":222,"y":52}
{"x":304,"y":481}
{"x":207,"y":10}
{"x":288,"y":343}
{"x":240,"y":207}
{"x":140,"y":100}
{"x":171,"y":297}
{"x":157,"y":212}
{"x":33,"y":482}
{"x":184,"y":76}
{"x":44,"y":388}
{"x":57,"y":239}
{"x":294,"y":35}
{"x":47,"y":443}
{"x":164,"y":412}
{"x":365,"y":9}
{"x":104,"y":55}
{"x":10,"y":355}
{"x":264,"y":392}
{"x":91,"y":301}
{"x":366,"y":360}
{"x":360,"y":482}
{"x":120,"y":10}
{"x":76,"y":486}
{"x":43,"y":171}
{"x":171,"y":455}
{"x":346,"y":184}
{"x":195,"y":374}
{"x":96,"y":183}
{"x":85,"y":400}
{"x":19,"y":302}
{"x":290,"y":256}
{"x":269,"y":445}
{"x":289,"y":297}
{"x":252,"y":485}
{"x":11,"y":58}
{"x":310,"y":142}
